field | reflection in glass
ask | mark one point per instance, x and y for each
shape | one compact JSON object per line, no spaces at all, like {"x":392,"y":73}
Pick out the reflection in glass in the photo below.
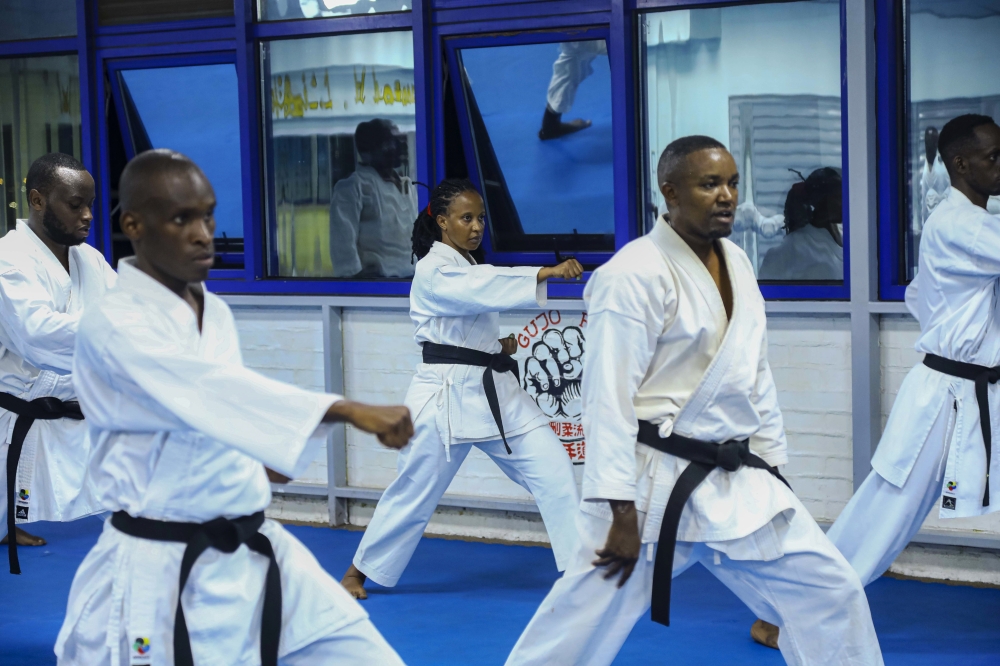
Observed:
{"x":548,"y":184}
{"x":194,"y":110}
{"x":763,"y":79}
{"x":39,"y":114}
{"x":280,"y":10}
{"x":37,"y":19}
{"x":125,"y":12}
{"x":951,"y":70}
{"x":341,"y":125}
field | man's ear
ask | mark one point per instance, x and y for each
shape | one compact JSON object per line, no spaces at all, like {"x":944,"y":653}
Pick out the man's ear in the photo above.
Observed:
{"x":36,"y":200}
{"x":960,"y":164}
{"x":131,"y":225}
{"x":669,"y":192}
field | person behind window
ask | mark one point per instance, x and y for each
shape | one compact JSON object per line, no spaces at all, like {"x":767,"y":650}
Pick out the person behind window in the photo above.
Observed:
{"x":568,"y":72}
{"x":372,"y":210}
{"x":934,"y":181}
{"x":813,"y":248}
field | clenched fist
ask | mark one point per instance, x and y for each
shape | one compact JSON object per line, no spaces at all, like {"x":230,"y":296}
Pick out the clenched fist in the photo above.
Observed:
{"x":391,"y":424}
{"x":569,"y":269}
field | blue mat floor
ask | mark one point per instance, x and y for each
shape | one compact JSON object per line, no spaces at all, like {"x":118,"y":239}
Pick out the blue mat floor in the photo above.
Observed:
{"x":466,"y":603}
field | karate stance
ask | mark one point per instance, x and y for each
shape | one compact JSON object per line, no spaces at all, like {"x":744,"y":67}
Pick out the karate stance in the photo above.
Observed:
{"x":676,"y":359}
{"x":466,"y":392}
{"x":937,"y":447}
{"x":47,"y":276}
{"x":187,"y":570}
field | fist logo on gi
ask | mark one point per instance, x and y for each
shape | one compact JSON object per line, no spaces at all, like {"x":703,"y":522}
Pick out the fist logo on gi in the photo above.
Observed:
{"x":23,"y":494}
{"x":553,"y":372}
{"x":141,"y":646}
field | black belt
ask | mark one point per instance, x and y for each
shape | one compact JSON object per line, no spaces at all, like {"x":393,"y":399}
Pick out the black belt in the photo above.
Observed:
{"x":983,"y":376}
{"x":704,"y":457}
{"x":39,"y":409}
{"x":225,"y":535}
{"x":435,"y":354}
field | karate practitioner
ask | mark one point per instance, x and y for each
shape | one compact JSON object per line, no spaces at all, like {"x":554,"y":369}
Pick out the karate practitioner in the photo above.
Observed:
{"x":934,"y":179}
{"x":676,"y":359}
{"x":935,"y":450}
{"x":466,"y":392}
{"x":47,"y":276}
{"x":372,"y":210}
{"x":569,"y":70}
{"x":187,"y":570}
{"x":813,"y":248}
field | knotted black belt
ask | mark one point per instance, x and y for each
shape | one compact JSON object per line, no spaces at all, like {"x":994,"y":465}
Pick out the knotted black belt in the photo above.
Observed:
{"x":225,"y":535}
{"x":39,"y":409}
{"x":983,"y":376}
{"x":435,"y":354}
{"x":704,"y":457}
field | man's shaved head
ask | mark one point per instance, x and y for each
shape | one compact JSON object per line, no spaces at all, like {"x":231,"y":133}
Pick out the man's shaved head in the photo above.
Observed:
{"x":674,"y":155}
{"x":141,"y":181}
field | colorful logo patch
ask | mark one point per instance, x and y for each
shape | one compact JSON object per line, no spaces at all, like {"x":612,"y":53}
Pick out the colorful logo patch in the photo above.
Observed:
{"x":141,"y":645}
{"x":23,"y":494}
{"x":951,"y":486}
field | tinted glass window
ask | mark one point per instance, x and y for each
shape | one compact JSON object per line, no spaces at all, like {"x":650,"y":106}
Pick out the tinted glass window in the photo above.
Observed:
{"x":35,"y":19}
{"x":280,"y":10}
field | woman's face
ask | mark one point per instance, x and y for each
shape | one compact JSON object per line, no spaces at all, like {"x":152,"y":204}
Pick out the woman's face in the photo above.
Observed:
{"x":462,"y":228}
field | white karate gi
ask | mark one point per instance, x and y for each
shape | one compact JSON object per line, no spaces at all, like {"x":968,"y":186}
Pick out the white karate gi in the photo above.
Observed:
{"x":182,"y":432}
{"x":570,"y":69}
{"x":660,"y":348}
{"x":40,"y":309}
{"x":455,"y":303}
{"x":932,"y":447}
{"x":371,"y":223}
{"x":808,"y":253}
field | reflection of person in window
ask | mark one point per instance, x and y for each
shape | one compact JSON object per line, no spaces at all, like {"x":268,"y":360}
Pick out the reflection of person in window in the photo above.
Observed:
{"x":934,"y":181}
{"x":568,"y":72}
{"x":813,"y":248}
{"x":372,"y":210}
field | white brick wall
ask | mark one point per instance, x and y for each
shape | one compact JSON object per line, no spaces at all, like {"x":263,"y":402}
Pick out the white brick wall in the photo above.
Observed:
{"x":810,"y":359}
{"x":286,"y":344}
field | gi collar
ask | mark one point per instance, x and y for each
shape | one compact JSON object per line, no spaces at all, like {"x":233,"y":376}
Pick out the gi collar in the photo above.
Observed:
{"x":135,"y":281}
{"x":442,"y":249}
{"x":44,"y":252}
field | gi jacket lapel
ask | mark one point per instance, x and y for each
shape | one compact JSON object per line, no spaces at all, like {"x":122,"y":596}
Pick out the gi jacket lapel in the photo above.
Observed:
{"x":678,"y":253}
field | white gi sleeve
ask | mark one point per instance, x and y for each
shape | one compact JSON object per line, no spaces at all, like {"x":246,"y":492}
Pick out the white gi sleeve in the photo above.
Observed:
{"x":42,"y":336}
{"x":624,"y":320}
{"x":769,"y":442}
{"x":977,"y":241}
{"x":345,"y":225}
{"x":457,"y":291}
{"x":268,"y":420}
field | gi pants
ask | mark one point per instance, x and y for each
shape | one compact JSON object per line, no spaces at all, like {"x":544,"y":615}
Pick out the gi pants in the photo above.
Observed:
{"x":126,"y":588}
{"x":538,"y":463}
{"x":878,"y":522}
{"x":787,"y":572}
{"x":569,"y":70}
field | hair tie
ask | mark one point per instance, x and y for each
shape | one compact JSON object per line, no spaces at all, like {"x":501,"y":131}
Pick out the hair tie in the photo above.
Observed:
{"x":429,"y":210}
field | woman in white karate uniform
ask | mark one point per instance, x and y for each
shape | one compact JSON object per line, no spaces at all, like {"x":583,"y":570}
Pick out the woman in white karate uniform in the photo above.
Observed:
{"x":455,"y":305}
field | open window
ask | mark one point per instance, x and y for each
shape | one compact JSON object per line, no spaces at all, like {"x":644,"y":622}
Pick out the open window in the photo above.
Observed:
{"x":189,"y":106}
{"x":534,"y":112}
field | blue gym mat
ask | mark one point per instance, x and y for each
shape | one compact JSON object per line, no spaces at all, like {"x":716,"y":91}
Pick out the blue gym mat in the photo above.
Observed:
{"x":466,"y":603}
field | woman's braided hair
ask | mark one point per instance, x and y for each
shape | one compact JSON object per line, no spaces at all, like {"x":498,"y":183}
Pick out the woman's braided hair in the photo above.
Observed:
{"x":425,"y":228}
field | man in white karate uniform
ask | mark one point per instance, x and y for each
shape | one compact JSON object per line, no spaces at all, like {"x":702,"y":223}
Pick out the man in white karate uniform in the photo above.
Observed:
{"x":47,"y":276}
{"x":571,"y":68}
{"x":683,"y":434}
{"x":934,"y":451}
{"x":187,"y":570}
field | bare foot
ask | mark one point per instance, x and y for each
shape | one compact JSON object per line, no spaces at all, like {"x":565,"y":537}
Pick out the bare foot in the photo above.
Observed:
{"x":25,"y":539}
{"x":354,"y":582}
{"x":765,"y":633}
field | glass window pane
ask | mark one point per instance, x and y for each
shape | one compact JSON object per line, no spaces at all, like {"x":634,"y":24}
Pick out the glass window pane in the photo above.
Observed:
{"x":121,"y":12}
{"x":166,"y":107}
{"x":544,"y":153}
{"x":341,"y":147}
{"x":36,"y":19}
{"x":953,"y":48}
{"x":280,"y":10}
{"x":39,"y":114}
{"x":764,"y":80}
